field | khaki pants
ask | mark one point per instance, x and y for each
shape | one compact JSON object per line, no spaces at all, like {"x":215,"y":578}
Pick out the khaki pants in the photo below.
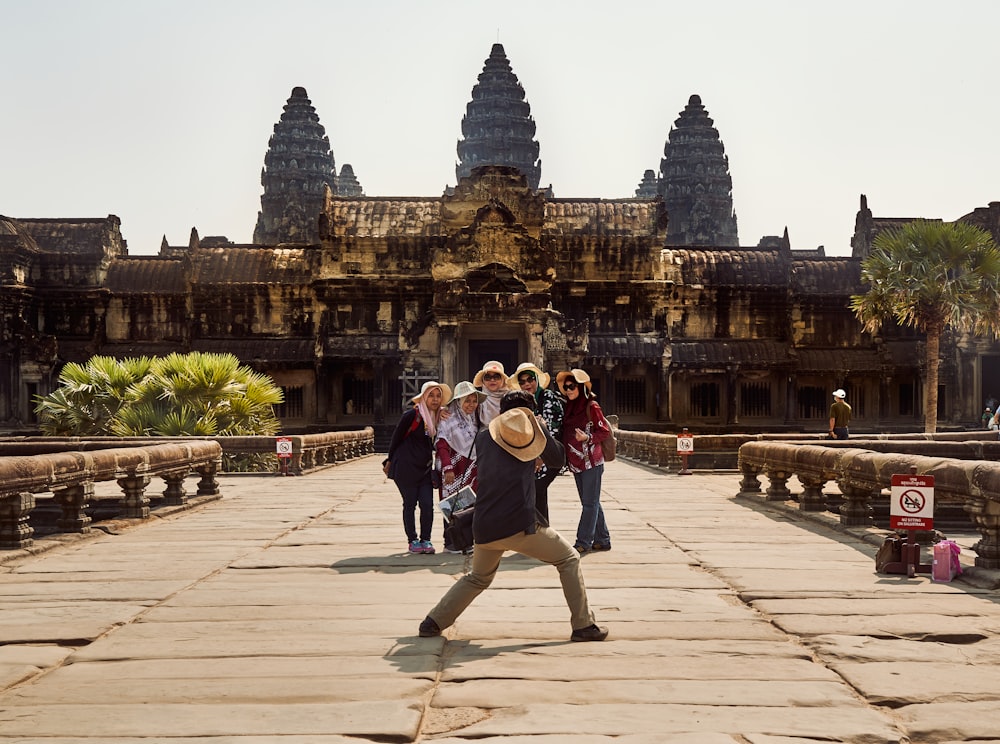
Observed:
{"x":546,"y":545}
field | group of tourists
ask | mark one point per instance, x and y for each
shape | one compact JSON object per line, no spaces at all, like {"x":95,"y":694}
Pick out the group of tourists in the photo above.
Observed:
{"x":508,"y":438}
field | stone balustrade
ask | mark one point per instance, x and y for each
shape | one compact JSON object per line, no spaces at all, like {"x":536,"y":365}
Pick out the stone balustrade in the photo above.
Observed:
{"x":70,"y":466}
{"x":71,"y":476}
{"x":309,"y":451}
{"x":863,"y":474}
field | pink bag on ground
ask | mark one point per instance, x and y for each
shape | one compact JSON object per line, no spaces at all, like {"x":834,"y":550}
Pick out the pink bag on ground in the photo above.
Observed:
{"x":946,"y":564}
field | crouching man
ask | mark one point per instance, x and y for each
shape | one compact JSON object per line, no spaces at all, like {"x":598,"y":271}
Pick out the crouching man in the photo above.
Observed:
{"x":505,"y":518}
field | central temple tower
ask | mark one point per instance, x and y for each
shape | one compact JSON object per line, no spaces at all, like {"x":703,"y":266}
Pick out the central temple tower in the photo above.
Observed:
{"x":497,"y":128}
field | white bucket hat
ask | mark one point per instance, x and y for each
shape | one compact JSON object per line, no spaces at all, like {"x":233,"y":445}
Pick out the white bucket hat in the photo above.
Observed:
{"x":518,"y":433}
{"x":465,"y":388}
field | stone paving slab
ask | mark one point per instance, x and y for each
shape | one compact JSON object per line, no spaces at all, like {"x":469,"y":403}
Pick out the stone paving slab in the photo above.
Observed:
{"x":287,"y":611}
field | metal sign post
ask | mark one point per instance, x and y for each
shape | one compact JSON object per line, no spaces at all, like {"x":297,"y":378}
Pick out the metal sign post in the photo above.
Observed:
{"x":911,"y":508}
{"x":283,"y":445}
{"x":685,"y":447}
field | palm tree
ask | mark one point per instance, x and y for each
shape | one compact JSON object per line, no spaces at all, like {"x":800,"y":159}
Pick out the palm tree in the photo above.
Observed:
{"x":178,"y":395}
{"x":931,"y":276}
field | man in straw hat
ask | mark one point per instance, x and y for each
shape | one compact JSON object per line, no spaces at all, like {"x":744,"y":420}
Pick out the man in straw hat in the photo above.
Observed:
{"x":505,"y":518}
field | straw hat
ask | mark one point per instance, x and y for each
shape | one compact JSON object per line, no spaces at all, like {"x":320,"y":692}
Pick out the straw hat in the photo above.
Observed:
{"x":465,"y":388}
{"x":445,"y":391}
{"x":518,"y":433}
{"x":577,"y":374}
{"x":839,"y":394}
{"x":542,"y":377}
{"x":489,"y":367}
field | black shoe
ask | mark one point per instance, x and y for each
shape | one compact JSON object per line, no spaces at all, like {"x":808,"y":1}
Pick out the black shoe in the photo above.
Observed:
{"x":591,"y":633}
{"x":429,"y":628}
{"x":598,"y":547}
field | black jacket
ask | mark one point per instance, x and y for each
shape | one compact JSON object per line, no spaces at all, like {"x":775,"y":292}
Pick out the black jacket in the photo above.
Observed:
{"x":505,"y":503}
{"x":411,"y":451}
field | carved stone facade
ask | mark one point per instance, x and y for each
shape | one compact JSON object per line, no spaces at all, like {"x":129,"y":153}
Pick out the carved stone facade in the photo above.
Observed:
{"x":388,"y":292}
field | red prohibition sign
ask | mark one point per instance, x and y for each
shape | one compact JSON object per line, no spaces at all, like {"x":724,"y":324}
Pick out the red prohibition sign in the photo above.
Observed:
{"x":911,"y":501}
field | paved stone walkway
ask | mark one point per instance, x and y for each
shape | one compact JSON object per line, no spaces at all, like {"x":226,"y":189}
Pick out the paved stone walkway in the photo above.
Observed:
{"x":287,"y":612}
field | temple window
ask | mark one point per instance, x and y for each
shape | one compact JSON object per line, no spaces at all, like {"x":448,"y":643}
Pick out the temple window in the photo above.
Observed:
{"x":630,"y":396}
{"x":813,"y":403}
{"x":358,"y":396}
{"x":755,"y":399}
{"x":293,"y":406}
{"x":705,"y":399}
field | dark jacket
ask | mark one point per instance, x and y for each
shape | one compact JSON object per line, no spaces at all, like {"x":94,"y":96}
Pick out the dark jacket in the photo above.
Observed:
{"x":505,"y":502}
{"x":411,"y":451}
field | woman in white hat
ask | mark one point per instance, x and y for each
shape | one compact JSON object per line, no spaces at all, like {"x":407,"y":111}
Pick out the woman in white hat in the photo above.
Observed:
{"x":584,"y":428}
{"x":551,"y":408}
{"x":456,"y":440}
{"x":492,"y":380}
{"x":410,"y":461}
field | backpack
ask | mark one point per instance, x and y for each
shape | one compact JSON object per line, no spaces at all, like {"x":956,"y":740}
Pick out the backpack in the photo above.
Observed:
{"x":609,"y":445}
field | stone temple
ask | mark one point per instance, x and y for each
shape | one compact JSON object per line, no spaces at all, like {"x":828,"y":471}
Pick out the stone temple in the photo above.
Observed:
{"x":350,"y":301}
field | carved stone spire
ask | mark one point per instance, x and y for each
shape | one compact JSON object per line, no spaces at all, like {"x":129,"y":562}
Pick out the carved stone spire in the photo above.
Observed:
{"x":695,"y":182}
{"x":497,"y":128}
{"x":347,"y":182}
{"x":648,"y":187}
{"x":298,"y":167}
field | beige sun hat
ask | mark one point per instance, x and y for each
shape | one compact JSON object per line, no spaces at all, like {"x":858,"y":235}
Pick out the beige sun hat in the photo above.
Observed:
{"x":542,"y":377}
{"x":518,"y":433}
{"x":465,"y":388}
{"x":489,"y":367}
{"x":577,"y":374}
{"x":445,"y":391}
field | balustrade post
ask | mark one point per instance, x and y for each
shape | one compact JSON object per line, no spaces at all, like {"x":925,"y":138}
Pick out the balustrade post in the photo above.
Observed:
{"x":175,"y":494}
{"x":856,"y":511}
{"x":135,"y":502}
{"x":812,"y":498}
{"x":208,"y":485}
{"x":749,"y":483}
{"x":985,"y":515}
{"x":778,"y":490}
{"x":73,"y":501}
{"x":15,"y":510}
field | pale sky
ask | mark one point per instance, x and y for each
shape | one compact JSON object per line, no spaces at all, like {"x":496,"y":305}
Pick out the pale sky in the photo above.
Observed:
{"x":160,"y":112}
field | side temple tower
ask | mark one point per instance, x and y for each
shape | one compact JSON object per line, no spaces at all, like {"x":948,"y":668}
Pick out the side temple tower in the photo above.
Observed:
{"x":298,"y":168}
{"x":497,"y":128}
{"x":695,"y":182}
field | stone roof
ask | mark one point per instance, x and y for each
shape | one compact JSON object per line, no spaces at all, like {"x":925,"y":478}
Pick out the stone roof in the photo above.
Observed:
{"x":593,"y":217}
{"x":630,"y":348}
{"x":826,"y":276}
{"x":759,"y":354}
{"x":750,"y":267}
{"x":252,"y":265}
{"x":146,"y":275}
{"x":85,"y":236}
{"x":361,"y":345}
{"x":842,"y":361}
{"x":249,"y":350}
{"x":370,"y":217}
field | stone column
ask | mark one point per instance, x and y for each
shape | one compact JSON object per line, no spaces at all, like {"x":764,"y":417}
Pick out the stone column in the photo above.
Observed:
{"x":15,"y":511}
{"x":73,"y":502}
{"x":448,"y":351}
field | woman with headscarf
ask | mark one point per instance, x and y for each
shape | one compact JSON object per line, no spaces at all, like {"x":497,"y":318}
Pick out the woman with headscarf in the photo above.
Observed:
{"x":411,"y":459}
{"x":492,"y":380}
{"x":584,"y":428}
{"x":551,"y":407}
{"x":456,"y":439}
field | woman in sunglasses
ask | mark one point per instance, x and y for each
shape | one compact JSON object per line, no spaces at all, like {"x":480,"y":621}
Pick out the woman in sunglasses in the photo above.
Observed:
{"x":550,"y":406}
{"x":492,"y":380}
{"x":584,"y":428}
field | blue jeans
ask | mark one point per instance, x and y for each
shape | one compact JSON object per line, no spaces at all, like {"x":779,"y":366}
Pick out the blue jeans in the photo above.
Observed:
{"x":592,"y":527}
{"x":422,"y":494}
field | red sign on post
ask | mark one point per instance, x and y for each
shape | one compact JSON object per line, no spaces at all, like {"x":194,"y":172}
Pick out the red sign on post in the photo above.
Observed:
{"x":911,"y":505}
{"x":284,"y":447}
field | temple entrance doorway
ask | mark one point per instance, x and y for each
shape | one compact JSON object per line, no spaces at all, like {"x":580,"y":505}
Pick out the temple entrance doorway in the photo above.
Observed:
{"x":990,"y":371}
{"x":503,"y":350}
